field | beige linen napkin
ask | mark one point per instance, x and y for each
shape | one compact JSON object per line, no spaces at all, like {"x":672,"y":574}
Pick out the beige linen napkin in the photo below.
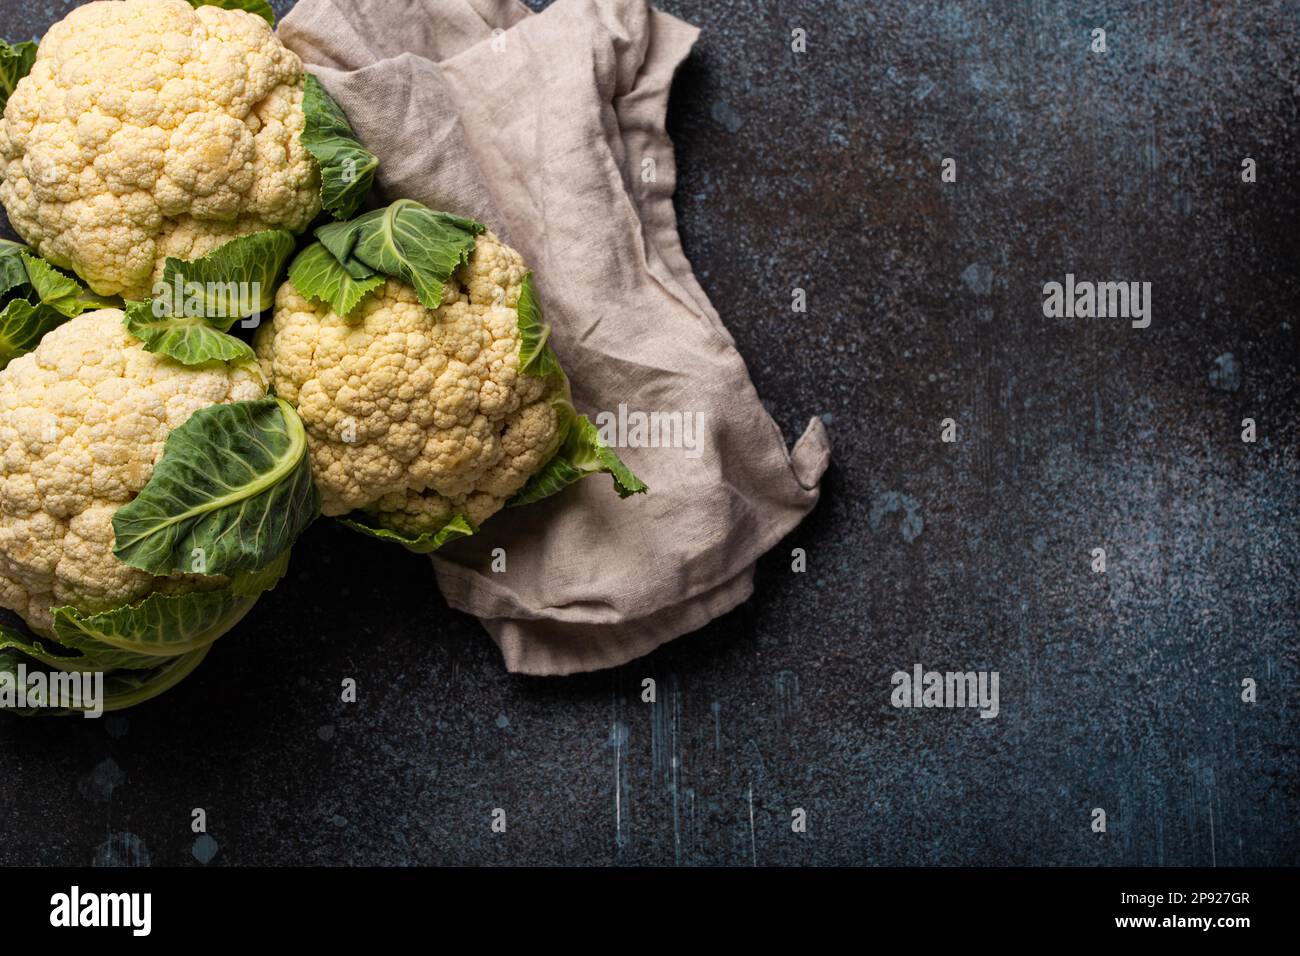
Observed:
{"x":550,"y":128}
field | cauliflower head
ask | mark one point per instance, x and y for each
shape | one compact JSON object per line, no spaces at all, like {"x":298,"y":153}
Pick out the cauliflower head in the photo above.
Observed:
{"x":148,"y":129}
{"x":417,"y":415}
{"x":83,"y":421}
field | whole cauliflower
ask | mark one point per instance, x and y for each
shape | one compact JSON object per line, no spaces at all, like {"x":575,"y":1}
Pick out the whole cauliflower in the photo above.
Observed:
{"x":149,"y":128}
{"x":416,"y":415}
{"x":83,"y":420}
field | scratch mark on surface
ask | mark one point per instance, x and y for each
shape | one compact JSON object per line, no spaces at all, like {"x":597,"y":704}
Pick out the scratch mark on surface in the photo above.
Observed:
{"x":787,"y":696}
{"x":690,"y":794}
{"x":677,"y":823}
{"x":753,"y":850}
{"x":618,"y":736}
{"x":662,"y":736}
{"x":122,"y":849}
{"x":675,"y":701}
{"x":1213,"y":859}
{"x":618,"y":788}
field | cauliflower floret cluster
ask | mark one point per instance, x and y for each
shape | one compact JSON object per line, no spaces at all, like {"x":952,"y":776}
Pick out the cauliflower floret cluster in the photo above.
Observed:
{"x":416,"y":415}
{"x":149,"y":128}
{"x":83,"y":420}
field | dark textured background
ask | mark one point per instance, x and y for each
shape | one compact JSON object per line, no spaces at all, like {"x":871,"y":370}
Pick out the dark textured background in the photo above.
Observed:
{"x":1120,"y":691}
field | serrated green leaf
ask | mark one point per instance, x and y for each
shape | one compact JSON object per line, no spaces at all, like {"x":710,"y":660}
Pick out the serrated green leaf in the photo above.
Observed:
{"x":13,"y":274}
{"x":52,"y":287}
{"x":427,"y":542}
{"x":232,"y":282}
{"x":535,"y":354}
{"x":60,"y":291}
{"x":316,"y":274}
{"x":15,"y":62}
{"x":582,"y":453}
{"x":50,"y":654}
{"x":162,"y":625}
{"x":232,"y":492}
{"x":79,"y":654}
{"x":406,"y":241}
{"x":75,"y":652}
{"x":189,"y":340}
{"x":21,"y":327}
{"x":260,"y":8}
{"x":347,"y":168}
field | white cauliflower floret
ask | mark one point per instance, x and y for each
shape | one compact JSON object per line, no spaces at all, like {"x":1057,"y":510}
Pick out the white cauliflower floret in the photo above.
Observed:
{"x":416,"y":415}
{"x":149,"y":128}
{"x":83,"y":420}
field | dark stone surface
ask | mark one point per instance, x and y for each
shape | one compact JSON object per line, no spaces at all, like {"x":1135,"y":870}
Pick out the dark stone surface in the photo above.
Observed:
{"x":1122,"y":691}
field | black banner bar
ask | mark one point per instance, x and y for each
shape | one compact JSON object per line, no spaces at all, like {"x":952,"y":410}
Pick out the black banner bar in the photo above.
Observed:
{"x":332,"y":905}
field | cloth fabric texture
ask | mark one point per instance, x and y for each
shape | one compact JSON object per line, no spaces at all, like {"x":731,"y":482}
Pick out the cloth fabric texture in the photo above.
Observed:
{"x":549,"y":128}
